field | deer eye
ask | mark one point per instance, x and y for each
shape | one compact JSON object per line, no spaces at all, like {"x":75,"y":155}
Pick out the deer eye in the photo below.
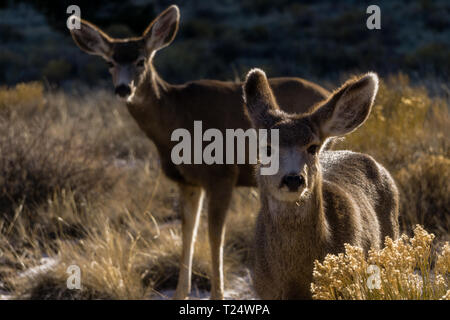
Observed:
{"x":110,"y":64}
{"x":313,"y":149}
{"x":140,"y":63}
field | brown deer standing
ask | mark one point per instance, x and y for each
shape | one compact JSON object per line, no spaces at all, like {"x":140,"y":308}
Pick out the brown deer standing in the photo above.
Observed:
{"x":319,"y":199}
{"x":159,"y":108}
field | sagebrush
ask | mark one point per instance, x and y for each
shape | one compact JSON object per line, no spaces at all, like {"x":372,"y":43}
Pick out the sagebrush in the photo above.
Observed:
{"x":406,"y":268}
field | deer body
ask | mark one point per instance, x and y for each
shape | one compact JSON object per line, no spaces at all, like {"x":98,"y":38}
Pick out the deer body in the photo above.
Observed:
{"x":336,"y":213}
{"x":319,"y":200}
{"x":217,"y":104}
{"x":159,"y":108}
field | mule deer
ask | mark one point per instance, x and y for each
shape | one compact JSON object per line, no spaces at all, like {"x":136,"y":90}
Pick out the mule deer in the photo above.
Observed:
{"x":159,"y":108}
{"x":319,"y":199}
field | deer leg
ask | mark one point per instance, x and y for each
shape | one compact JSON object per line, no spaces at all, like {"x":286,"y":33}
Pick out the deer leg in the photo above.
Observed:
{"x":219,"y":200}
{"x":191,"y":205}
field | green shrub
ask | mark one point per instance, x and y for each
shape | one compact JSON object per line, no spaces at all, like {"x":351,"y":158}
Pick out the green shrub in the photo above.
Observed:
{"x":57,"y":70}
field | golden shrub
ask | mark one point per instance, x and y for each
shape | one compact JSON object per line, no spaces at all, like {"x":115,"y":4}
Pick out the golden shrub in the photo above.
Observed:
{"x":425,"y":194}
{"x":23,"y":96}
{"x":405,"y":123}
{"x":401,"y":270}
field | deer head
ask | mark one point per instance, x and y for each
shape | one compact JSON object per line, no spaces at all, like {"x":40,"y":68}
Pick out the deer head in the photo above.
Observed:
{"x":128,"y":58}
{"x":301,"y":137}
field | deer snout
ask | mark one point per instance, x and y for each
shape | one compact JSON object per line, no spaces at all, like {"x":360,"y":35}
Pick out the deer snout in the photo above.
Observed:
{"x":293,"y":182}
{"x":123,"y":90}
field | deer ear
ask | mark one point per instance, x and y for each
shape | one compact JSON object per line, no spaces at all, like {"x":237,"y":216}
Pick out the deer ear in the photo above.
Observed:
{"x":91,"y":39}
{"x":161,"y":32}
{"x":260,"y":103}
{"x":348,"y":107}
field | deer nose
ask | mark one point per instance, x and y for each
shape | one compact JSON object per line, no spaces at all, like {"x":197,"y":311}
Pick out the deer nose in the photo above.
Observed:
{"x":293,"y":182}
{"x":123,"y":90}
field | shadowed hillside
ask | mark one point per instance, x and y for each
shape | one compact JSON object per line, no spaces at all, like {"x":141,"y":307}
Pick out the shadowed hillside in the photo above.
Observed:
{"x":223,"y":39}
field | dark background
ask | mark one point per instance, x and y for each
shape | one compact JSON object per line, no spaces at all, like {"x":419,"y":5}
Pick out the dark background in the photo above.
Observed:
{"x":222,"y":39}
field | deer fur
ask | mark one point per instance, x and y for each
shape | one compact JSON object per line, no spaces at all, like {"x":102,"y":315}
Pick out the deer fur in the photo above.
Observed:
{"x":319,"y":200}
{"x":159,"y":108}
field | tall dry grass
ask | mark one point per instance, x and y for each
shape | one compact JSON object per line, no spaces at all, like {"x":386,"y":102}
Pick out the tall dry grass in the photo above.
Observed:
{"x":84,"y":187}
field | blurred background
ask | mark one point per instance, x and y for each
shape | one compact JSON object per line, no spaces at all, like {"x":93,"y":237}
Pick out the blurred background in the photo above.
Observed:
{"x":222,"y":39}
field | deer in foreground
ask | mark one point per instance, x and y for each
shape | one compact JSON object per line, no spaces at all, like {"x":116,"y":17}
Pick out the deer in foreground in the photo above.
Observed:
{"x":159,"y":108}
{"x":319,"y":200}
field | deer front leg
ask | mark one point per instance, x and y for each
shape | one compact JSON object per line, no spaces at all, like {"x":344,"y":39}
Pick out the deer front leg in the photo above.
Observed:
{"x":219,"y":200}
{"x":191,"y":205}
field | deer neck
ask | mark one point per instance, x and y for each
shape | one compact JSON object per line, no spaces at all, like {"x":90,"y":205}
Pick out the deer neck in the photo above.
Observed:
{"x":151,"y":89}
{"x":151,"y":107}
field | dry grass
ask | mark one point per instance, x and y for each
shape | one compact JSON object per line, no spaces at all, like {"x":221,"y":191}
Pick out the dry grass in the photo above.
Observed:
{"x":92,"y":195}
{"x":35,"y":164}
{"x":123,"y":254}
{"x":24,"y":97}
{"x":81,"y":185}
